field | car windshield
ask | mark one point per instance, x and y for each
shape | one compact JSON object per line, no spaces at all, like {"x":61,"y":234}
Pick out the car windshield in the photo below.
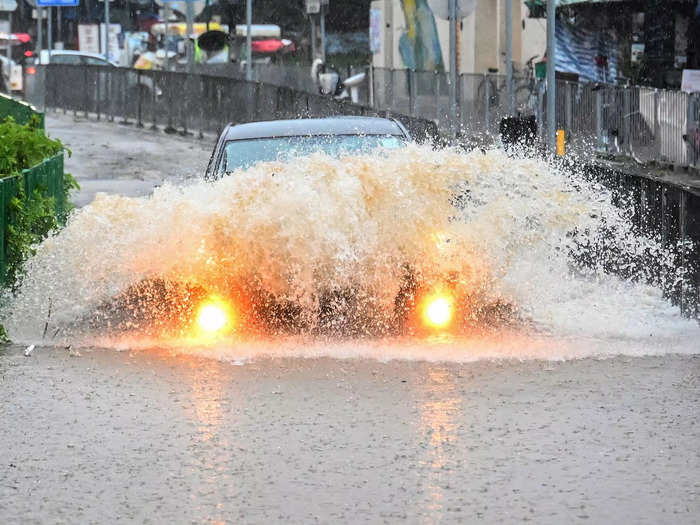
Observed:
{"x":245,"y":153}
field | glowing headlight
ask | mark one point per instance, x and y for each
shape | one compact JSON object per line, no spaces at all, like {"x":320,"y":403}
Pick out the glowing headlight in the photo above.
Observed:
{"x":213,"y":317}
{"x":438,"y":311}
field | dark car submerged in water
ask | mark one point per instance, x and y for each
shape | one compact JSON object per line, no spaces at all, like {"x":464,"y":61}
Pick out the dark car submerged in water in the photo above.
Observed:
{"x":341,"y":310}
{"x":244,"y":145}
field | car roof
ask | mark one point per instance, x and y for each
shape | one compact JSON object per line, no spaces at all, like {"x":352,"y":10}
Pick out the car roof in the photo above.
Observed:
{"x":315,"y":126}
{"x":55,"y":52}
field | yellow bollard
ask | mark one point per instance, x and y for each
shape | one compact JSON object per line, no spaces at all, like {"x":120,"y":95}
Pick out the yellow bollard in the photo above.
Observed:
{"x":561,"y":146}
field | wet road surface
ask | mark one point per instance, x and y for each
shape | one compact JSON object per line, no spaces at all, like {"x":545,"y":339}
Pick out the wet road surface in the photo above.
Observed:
{"x":151,"y":437}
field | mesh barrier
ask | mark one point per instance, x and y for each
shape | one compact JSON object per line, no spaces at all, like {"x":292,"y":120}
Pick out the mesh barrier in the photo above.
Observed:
{"x":191,"y":102}
{"x":19,"y":111}
{"x":47,"y":178}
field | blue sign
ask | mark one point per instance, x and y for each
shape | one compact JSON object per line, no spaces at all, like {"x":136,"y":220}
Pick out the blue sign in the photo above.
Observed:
{"x":57,"y":3}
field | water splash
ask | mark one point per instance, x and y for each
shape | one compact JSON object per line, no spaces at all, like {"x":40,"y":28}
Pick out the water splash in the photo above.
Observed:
{"x":514,"y":236}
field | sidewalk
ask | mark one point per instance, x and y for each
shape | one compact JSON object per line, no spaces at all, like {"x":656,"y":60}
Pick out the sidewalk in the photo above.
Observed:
{"x":113,"y":158}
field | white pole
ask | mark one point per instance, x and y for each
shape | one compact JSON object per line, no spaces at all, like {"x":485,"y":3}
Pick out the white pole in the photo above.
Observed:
{"x":189,"y":16}
{"x":166,"y":10}
{"x":509,"y":56}
{"x":453,"y":68}
{"x":323,"y":34}
{"x":9,"y":47}
{"x":39,"y":29}
{"x":49,"y":31}
{"x":249,"y":40}
{"x":551,"y":76}
{"x":107,"y":29}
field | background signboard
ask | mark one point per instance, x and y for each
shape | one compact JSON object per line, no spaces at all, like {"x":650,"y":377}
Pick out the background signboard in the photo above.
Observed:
{"x":89,"y":38}
{"x":57,"y":3}
{"x":691,"y":81}
{"x":8,"y":5}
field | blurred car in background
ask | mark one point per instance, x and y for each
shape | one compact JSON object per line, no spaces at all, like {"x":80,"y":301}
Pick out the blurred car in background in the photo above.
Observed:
{"x":79,"y":58}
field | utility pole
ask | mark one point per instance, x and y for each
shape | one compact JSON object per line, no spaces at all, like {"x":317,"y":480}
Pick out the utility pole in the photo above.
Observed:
{"x":166,"y":9}
{"x":323,"y":33}
{"x":551,"y":76}
{"x":49,"y":32}
{"x":249,"y":40}
{"x":453,"y":68}
{"x":189,"y":17}
{"x":509,"y":57}
{"x":9,"y":47}
{"x":39,"y":28}
{"x":107,"y":29}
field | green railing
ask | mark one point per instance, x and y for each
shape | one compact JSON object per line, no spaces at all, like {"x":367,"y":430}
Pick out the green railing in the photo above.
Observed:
{"x":20,"y":111}
{"x":47,"y":178}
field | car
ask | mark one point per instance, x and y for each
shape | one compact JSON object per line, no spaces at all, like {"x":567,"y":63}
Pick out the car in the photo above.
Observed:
{"x":247,"y":307}
{"x":80,"y":58}
{"x":240,"y":146}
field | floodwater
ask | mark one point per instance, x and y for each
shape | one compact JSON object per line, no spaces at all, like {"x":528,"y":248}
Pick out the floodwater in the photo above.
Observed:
{"x":156,"y":437}
{"x":579,"y":401}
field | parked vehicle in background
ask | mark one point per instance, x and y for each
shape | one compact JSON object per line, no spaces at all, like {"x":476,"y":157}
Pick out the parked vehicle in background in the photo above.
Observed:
{"x":80,"y":58}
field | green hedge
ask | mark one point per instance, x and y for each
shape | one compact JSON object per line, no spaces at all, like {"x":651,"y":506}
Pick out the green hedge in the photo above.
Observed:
{"x":33,"y":187}
{"x":20,"y":111}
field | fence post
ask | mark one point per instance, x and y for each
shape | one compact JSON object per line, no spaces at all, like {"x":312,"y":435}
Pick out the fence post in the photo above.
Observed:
{"x":657,"y":127}
{"x":154,"y":100}
{"x":627,"y":122}
{"x":169,"y":85}
{"x":139,"y":123}
{"x":412,"y":92}
{"x":437,"y":95}
{"x":99,"y":93}
{"x":682,"y":216}
{"x":85,"y":90}
{"x":371,"y":86}
{"x":487,"y":103}
{"x":569,"y":108}
{"x":599,"y":119}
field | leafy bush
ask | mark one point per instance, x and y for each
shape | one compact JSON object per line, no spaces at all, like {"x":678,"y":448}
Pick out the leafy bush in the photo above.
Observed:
{"x":30,"y":218}
{"x":22,"y":147}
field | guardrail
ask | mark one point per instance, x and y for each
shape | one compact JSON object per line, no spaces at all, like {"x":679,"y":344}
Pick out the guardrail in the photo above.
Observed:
{"x":188,"y":102}
{"x":48,"y":177}
{"x":18,"y":110}
{"x":649,"y":125}
{"x":185,"y":102}
{"x":670,"y":213}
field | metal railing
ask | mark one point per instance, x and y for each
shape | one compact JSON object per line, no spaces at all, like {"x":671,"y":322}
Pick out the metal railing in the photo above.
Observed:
{"x":647,"y":124}
{"x":186,"y":102}
{"x":650,"y":125}
{"x":642,"y":121}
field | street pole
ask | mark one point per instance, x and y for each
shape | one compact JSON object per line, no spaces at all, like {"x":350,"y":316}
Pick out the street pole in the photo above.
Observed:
{"x":323,"y":33}
{"x":453,"y":68}
{"x":39,"y":29}
{"x":249,"y":40}
{"x":107,"y":29}
{"x":509,"y":56}
{"x":49,"y":32}
{"x":551,"y":76}
{"x":313,"y":37}
{"x":189,"y":16}
{"x":9,"y":47}
{"x":166,"y":62}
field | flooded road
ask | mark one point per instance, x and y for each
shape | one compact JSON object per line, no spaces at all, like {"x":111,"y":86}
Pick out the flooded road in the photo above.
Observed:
{"x":150,"y":437}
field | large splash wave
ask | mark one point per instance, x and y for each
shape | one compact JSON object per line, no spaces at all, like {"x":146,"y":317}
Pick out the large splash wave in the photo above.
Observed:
{"x":504,"y":230}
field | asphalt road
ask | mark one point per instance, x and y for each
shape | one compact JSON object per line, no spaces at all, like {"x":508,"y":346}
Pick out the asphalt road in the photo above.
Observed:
{"x":152,"y":437}
{"x":114,"y":158}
